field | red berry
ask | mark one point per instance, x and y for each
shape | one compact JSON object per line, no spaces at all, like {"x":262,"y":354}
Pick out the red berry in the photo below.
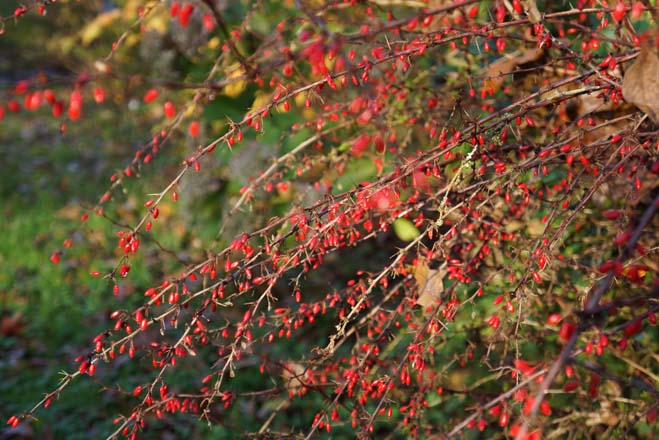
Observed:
{"x":209,"y":22}
{"x":518,"y":6}
{"x":619,"y":12}
{"x":571,"y":386}
{"x":194,"y":128}
{"x":13,"y":106}
{"x":150,"y":95}
{"x":554,"y":319}
{"x":170,"y":111}
{"x":637,"y":10}
{"x":655,"y":167}
{"x":652,"y":415}
{"x":545,"y":408}
{"x":184,"y":14}
{"x":174,"y":9}
{"x":566,"y":330}
{"x":99,"y":95}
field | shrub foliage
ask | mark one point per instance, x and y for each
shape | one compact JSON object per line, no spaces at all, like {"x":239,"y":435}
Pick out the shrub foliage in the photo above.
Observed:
{"x":412,"y":218}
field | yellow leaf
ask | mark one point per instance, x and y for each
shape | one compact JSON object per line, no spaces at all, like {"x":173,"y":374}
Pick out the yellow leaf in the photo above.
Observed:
{"x":261,"y":99}
{"x":214,"y":43}
{"x":159,"y":20}
{"x":238,"y":86}
{"x":94,"y":29}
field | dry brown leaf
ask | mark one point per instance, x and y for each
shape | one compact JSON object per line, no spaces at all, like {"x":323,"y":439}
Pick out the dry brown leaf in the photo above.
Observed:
{"x":640,"y":86}
{"x":293,"y":375}
{"x":594,"y":104}
{"x":430,"y":283}
{"x":497,"y":71}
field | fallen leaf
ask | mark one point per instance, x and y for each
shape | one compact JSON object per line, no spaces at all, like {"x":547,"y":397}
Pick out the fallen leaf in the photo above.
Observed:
{"x":430,"y":283}
{"x":640,"y":86}
{"x":293,"y":375}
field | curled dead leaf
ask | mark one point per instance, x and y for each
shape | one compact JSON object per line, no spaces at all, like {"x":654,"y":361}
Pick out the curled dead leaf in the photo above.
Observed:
{"x":293,"y":375}
{"x":430,"y":283}
{"x":640,"y":85}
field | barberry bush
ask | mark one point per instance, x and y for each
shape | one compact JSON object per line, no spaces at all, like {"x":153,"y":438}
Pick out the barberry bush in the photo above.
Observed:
{"x":423,"y":219}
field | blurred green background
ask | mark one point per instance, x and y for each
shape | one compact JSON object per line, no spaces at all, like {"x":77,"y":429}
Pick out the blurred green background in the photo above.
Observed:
{"x":55,"y":170}
{"x":49,"y":313}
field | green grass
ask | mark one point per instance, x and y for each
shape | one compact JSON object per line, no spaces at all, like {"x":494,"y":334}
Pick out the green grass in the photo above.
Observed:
{"x":48,"y":182}
{"x":58,"y":308}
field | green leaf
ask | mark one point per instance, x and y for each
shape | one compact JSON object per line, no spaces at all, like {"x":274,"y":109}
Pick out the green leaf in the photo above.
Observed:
{"x":405,"y":230}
